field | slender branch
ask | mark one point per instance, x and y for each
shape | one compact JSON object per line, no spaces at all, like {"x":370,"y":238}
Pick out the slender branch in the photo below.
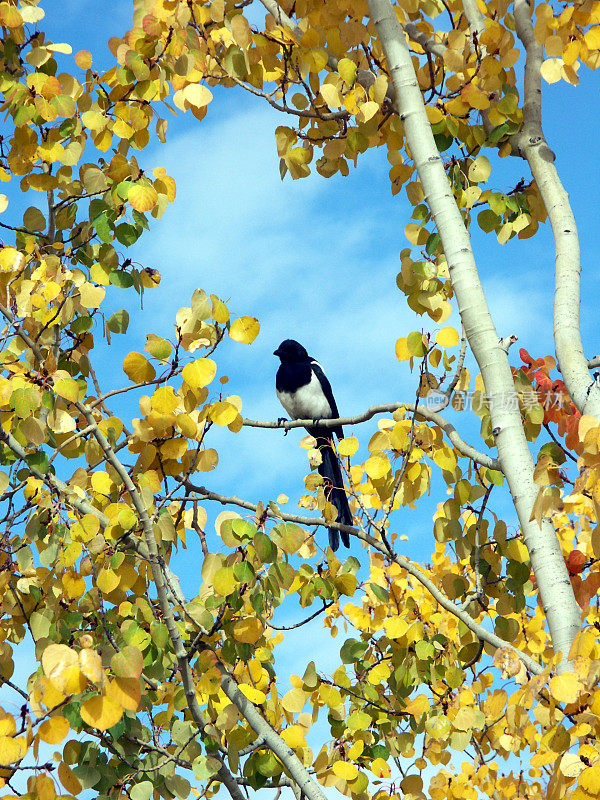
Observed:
{"x":403,"y":562}
{"x":422,"y":411}
{"x":303,"y":622}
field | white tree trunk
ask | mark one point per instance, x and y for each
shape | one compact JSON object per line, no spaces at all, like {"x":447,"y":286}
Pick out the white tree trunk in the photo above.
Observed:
{"x":532,"y":145}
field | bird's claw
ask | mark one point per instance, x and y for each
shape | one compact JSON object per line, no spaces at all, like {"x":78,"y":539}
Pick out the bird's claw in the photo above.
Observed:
{"x":282,"y":421}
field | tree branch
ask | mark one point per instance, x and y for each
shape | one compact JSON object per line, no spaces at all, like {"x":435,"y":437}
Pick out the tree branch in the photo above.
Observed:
{"x":422,"y":411}
{"x":403,"y":562}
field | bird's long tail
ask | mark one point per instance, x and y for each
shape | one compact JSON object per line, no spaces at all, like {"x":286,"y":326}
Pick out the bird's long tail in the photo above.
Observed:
{"x":330,"y":469}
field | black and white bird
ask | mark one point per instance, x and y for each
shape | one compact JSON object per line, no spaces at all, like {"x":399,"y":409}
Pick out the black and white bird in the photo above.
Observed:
{"x":305,"y":393}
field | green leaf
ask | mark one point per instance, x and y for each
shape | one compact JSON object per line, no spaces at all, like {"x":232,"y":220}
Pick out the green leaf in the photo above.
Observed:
{"x":38,"y":460}
{"x":121,"y":279}
{"x":443,"y":141}
{"x":288,"y":536}
{"x":119,"y":322}
{"x":488,"y":221}
{"x":379,"y":592}
{"x":495,"y":477}
{"x":104,"y":229}
{"x":424,"y":650}
{"x":235,"y":63}
{"x":82,"y":325}
{"x":433,"y":243}
{"x":142,"y":791}
{"x":415,"y":345}
{"x":242,"y":528}
{"x":127,"y":234}
{"x":25,"y":401}
{"x":352,"y":650}
{"x":205,"y":767}
{"x":265,"y":549}
{"x":140,"y":219}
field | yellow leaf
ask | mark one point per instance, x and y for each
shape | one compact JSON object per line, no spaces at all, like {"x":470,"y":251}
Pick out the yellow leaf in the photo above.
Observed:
{"x":8,"y":726}
{"x":102,"y":483}
{"x":244,"y":329}
{"x":402,"y":351}
{"x":223,"y":413}
{"x":224,"y":581}
{"x":68,"y":779}
{"x":142,"y":197}
{"x":137,"y":368}
{"x":551,"y":70}
{"x":12,"y":749}
{"x":347,"y":70}
{"x":566,"y":688}
{"x":367,"y":111}
{"x":90,"y":664}
{"x":447,"y":337}
{"x":377,"y":466}
{"x":331,"y":95}
{"x":125,"y":692}
{"x":108,"y":580}
{"x":254,"y":695}
{"x":164,"y":400}
{"x":480,"y":170}
{"x":418,"y":706}
{"x":91,"y":296}
{"x":67,"y":388}
{"x":248,"y":630}
{"x":380,"y":768}
{"x":345,"y":770}
{"x":395,"y":627}
{"x":199,"y":373}
{"x":434,"y":114}
{"x":589,"y":780}
{"x":32,"y":14}
{"x":197,"y":95}
{"x":294,"y":736}
{"x":348,"y":446}
{"x":592,"y":38}
{"x":100,"y":713}
{"x":294,"y":701}
{"x":83,"y":59}
{"x":54,"y":730}
{"x":220,"y":312}
{"x":61,"y":666}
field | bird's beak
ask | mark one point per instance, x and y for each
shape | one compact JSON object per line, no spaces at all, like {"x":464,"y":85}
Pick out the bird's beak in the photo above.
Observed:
{"x":276,"y":352}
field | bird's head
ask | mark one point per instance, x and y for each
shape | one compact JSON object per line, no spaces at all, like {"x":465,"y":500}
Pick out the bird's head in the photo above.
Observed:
{"x":291,"y":350}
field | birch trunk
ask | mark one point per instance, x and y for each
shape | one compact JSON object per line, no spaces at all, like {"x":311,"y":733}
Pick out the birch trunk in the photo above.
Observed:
{"x":532,"y":145}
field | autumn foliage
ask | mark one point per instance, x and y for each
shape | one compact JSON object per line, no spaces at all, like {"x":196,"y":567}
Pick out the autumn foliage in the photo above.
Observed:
{"x":448,"y":683}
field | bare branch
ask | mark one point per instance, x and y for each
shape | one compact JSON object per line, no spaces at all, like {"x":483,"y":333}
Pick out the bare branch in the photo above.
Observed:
{"x":403,"y":562}
{"x":422,"y":411}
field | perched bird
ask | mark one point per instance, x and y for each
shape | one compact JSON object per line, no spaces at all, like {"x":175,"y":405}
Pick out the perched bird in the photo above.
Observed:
{"x":305,"y":393}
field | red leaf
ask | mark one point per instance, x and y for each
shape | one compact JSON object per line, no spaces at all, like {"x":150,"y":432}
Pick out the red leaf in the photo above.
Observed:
{"x":576,"y":561}
{"x":525,"y":357}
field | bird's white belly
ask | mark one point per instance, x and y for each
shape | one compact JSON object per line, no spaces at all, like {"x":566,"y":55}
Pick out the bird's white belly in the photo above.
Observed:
{"x":307,"y":402}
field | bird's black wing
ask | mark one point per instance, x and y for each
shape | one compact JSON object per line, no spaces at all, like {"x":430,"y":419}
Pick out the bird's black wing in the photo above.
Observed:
{"x":326,"y":387}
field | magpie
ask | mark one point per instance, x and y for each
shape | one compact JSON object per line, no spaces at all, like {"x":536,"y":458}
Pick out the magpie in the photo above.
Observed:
{"x":305,"y":393}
